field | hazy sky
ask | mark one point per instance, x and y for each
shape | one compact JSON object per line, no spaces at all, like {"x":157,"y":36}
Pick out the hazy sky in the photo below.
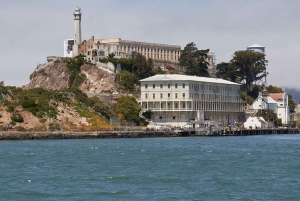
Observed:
{"x":34,"y":29}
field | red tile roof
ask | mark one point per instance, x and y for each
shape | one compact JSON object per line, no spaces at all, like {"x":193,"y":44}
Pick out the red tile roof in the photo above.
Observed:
{"x":277,"y":96}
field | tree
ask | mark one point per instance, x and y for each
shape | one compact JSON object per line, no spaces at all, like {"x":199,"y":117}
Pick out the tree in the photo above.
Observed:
{"x":250,"y":66}
{"x":127,"y":79}
{"x":128,"y":109}
{"x":274,"y":89}
{"x":141,"y":67}
{"x":126,"y":64}
{"x":194,"y":60}
{"x":226,"y":71}
{"x":76,"y":78}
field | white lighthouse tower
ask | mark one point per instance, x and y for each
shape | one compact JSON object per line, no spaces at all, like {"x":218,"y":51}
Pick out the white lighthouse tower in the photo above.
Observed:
{"x":77,"y":38}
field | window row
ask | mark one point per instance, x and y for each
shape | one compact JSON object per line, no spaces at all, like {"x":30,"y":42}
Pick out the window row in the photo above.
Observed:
{"x":215,"y":88}
{"x":162,"y":85}
{"x":168,"y":95}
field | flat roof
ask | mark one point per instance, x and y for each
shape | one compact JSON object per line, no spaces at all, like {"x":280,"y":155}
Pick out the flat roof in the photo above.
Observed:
{"x":178,"y":77}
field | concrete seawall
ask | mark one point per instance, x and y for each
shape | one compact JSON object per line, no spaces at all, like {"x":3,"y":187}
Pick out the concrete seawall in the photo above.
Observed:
{"x":15,"y":135}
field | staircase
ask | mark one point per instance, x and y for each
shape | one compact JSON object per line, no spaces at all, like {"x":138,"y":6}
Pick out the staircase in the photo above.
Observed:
{"x":145,"y":118}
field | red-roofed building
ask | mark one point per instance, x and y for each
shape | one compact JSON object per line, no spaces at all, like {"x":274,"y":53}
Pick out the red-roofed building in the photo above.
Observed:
{"x":278,"y":102}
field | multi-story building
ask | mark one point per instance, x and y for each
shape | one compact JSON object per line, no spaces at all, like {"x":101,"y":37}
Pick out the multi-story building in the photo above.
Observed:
{"x":94,"y":49}
{"x":180,"y":99}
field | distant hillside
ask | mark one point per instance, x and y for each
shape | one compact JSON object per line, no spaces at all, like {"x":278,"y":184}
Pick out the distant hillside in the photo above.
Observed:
{"x":295,"y":93}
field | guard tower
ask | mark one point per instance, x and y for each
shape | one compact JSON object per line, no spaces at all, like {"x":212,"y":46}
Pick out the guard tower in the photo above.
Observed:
{"x":77,"y":39}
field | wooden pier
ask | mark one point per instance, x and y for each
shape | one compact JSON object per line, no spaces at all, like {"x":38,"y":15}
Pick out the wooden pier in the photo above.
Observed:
{"x":245,"y":132}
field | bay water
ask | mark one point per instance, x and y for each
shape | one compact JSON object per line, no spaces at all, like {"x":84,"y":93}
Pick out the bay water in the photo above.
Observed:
{"x":191,"y":168}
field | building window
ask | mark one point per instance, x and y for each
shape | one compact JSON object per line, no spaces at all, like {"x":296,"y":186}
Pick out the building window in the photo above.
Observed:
{"x":175,"y":95}
{"x":176,"y":85}
{"x":161,"y":105}
{"x":176,"y":105}
{"x":169,"y":95}
{"x":161,"y":95}
{"x":169,"y":86}
{"x":183,"y":95}
{"x":146,"y":95}
{"x":146,"y":86}
{"x":161,"y":86}
{"x":153,"y":86}
{"x":183,"y":85}
{"x":183,"y":105}
{"x":154,"y":95}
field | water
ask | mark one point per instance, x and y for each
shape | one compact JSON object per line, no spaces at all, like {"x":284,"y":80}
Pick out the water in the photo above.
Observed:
{"x":203,"y":168}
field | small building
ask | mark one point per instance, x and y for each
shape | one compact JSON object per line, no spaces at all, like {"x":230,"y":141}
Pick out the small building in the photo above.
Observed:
{"x":277,"y":102}
{"x":255,"y":122}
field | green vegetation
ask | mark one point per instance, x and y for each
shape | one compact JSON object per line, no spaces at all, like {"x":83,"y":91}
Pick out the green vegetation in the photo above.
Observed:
{"x":21,"y":129}
{"x":53,"y":126}
{"x":270,"y":116}
{"x":75,"y":76}
{"x":128,"y":109}
{"x":194,"y":60}
{"x":37,"y":101}
{"x":127,"y":80}
{"x":16,"y":117}
{"x":247,"y":67}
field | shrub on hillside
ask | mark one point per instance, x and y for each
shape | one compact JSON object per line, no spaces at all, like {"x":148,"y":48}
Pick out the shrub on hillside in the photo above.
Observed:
{"x":17,"y":118}
{"x":21,"y":129}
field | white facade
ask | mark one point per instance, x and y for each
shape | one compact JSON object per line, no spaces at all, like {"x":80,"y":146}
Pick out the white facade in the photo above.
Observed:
{"x":68,"y":47}
{"x":278,"y":103}
{"x":77,"y":38}
{"x":179,"y":99}
{"x":255,"y":122}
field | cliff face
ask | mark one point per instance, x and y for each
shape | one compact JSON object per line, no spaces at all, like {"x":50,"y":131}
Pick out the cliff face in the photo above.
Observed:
{"x":54,"y":75}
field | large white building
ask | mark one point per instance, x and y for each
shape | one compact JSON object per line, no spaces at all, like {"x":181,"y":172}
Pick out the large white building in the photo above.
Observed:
{"x":177,"y":99}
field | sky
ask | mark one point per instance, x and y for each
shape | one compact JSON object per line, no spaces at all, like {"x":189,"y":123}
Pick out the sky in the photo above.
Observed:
{"x":34,"y":29}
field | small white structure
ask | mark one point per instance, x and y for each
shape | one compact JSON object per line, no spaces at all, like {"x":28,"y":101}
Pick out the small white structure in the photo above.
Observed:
{"x":277,"y":102}
{"x":68,"y":47}
{"x":255,"y":122}
{"x":257,"y":48}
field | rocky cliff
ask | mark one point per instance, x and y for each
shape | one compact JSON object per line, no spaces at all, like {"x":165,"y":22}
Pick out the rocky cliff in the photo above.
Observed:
{"x":54,"y":75}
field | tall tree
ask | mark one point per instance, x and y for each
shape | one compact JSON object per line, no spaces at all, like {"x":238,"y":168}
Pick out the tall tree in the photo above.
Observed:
{"x":226,"y":71}
{"x":250,"y":67}
{"x":194,"y":60}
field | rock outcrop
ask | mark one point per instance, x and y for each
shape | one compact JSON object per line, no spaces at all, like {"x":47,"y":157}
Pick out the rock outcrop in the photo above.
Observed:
{"x":54,"y":75}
